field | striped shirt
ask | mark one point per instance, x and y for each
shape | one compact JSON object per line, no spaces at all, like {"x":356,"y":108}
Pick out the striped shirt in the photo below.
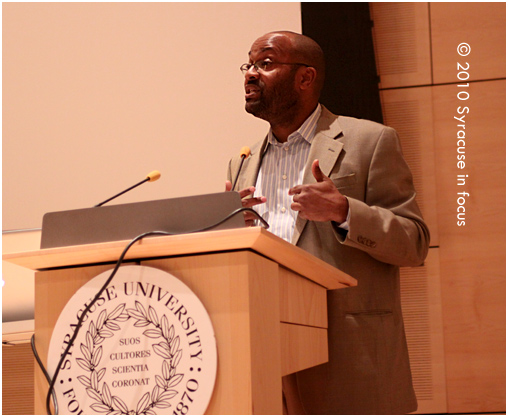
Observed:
{"x":282,"y":168}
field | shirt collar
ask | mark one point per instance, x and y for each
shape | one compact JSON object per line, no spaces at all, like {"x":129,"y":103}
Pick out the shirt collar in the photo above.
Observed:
{"x":306,"y":131}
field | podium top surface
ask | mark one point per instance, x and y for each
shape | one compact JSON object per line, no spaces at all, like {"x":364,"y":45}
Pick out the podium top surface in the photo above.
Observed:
{"x":253,"y":238}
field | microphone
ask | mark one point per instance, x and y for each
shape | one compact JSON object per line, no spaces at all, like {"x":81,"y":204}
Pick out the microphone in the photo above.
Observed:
{"x":244,"y":153}
{"x":151,"y":177}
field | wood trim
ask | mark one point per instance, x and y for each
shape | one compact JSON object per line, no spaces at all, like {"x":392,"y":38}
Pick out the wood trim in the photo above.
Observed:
{"x":301,"y":301}
{"x":254,"y":238}
{"x":241,"y":294}
{"x":302,"y":347}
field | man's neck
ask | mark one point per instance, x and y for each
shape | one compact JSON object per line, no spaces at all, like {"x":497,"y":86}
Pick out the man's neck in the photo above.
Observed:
{"x":281,"y":131}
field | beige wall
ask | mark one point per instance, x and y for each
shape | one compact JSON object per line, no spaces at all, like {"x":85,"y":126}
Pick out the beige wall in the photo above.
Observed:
{"x":96,"y":95}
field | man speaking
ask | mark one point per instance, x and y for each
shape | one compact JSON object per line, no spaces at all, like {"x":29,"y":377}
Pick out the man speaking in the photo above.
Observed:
{"x":339,"y":188}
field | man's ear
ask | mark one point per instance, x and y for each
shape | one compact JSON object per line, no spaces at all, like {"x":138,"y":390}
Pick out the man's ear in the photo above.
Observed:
{"x":307,"y":78}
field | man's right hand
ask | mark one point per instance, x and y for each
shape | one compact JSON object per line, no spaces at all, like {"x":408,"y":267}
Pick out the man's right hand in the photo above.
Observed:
{"x":248,"y":202}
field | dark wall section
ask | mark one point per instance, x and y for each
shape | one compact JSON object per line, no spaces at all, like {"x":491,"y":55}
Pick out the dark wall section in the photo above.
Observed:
{"x":344,"y":32}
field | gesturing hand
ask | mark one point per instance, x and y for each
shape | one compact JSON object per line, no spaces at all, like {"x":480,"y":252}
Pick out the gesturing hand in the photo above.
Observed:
{"x":247,"y":202}
{"x":320,"y":201}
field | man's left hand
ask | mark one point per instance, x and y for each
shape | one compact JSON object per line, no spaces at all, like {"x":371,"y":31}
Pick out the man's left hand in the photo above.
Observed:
{"x":320,"y":201}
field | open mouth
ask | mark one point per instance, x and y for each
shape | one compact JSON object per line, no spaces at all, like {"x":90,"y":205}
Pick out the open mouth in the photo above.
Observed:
{"x":251,"y":92}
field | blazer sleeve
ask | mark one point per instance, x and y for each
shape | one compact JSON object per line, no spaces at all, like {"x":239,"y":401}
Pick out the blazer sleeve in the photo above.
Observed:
{"x":229,"y":175}
{"x":388,"y":225}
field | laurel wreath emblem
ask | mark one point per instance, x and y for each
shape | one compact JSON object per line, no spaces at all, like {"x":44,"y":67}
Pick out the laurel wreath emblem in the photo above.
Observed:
{"x":164,"y":389}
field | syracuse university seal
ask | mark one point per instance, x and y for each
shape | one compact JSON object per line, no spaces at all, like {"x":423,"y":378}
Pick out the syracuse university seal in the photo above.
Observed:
{"x":147,"y":346}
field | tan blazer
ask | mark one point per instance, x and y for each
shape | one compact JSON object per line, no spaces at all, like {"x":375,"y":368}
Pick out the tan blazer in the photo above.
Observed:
{"x":368,"y":371}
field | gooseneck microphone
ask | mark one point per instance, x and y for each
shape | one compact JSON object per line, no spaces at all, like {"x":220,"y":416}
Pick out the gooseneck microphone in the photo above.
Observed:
{"x":244,"y":153}
{"x":152,"y":176}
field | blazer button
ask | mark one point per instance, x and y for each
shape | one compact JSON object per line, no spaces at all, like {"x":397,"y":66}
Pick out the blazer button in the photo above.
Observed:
{"x":365,"y":241}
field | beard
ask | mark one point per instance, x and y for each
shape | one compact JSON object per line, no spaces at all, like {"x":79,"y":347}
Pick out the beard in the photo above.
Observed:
{"x":276,"y":104}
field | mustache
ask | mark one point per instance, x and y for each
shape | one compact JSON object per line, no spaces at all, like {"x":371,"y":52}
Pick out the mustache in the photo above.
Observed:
{"x":254,"y":83}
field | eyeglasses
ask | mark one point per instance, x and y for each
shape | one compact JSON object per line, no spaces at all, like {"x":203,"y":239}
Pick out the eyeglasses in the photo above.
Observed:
{"x":266,"y":65}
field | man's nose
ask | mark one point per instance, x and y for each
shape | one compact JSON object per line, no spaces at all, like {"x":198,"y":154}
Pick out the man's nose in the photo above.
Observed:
{"x":252,"y":73}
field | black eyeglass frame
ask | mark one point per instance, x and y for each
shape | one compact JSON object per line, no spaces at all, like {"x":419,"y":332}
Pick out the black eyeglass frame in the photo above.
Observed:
{"x":257,"y":65}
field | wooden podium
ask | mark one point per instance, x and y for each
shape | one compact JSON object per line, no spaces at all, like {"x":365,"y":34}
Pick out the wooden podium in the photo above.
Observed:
{"x":266,"y":299}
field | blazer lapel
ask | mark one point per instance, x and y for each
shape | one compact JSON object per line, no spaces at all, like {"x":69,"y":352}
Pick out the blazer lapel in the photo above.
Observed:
{"x":251,"y":166}
{"x":326,"y":149}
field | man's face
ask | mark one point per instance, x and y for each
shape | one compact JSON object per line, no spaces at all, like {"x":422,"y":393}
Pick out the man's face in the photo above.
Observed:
{"x":271,"y":94}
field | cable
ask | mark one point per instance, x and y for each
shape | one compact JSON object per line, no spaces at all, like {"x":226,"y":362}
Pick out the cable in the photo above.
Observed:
{"x":51,"y":381}
{"x":48,"y":378}
{"x":263,"y":221}
{"x":87,"y":309}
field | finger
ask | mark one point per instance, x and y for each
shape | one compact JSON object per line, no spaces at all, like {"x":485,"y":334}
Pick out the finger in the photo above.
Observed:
{"x":249,"y":223}
{"x":229,"y":186}
{"x":250,"y":219}
{"x":247,"y":191}
{"x":296,"y":198}
{"x":297,"y":189}
{"x":251,"y":202}
{"x":316,"y":171}
{"x":299,"y":209}
{"x":296,"y":207}
{"x":249,"y":216}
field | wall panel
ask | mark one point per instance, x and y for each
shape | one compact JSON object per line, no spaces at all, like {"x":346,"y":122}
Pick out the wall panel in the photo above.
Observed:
{"x":402,"y":43}
{"x":17,"y":379}
{"x":421,"y":307}
{"x":409,"y":111}
{"x":473,"y":256}
{"x":482,"y":26}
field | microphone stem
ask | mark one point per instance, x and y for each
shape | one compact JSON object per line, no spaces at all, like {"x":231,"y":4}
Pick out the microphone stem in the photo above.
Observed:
{"x":123,"y":192}
{"x":238,"y":173}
